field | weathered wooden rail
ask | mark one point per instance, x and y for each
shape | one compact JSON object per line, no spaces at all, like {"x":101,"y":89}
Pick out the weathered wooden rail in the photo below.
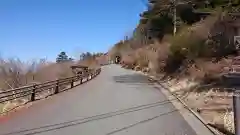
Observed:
{"x":31,"y":92}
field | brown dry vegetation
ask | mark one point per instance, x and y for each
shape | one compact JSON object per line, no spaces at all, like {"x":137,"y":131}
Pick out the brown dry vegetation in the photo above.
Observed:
{"x":190,"y":52}
{"x":91,"y":63}
{"x":198,"y":53}
{"x":15,"y":73}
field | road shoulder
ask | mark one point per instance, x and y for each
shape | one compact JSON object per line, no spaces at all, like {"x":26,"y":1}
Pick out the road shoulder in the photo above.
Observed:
{"x":188,"y":116}
{"x":192,"y":120}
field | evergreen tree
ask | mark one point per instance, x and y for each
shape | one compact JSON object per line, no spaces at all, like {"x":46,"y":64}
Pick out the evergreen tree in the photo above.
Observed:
{"x":62,"y":57}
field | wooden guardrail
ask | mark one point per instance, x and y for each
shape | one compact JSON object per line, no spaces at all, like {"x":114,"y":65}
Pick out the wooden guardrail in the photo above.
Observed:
{"x":31,"y":92}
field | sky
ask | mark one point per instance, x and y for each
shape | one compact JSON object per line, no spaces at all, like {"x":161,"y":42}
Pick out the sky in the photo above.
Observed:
{"x":34,"y":29}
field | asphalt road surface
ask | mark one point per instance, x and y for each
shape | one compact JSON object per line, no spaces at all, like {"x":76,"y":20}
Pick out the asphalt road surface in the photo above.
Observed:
{"x":117,"y":102}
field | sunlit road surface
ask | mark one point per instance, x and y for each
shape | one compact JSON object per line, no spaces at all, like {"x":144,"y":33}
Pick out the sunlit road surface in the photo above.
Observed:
{"x":117,"y":102}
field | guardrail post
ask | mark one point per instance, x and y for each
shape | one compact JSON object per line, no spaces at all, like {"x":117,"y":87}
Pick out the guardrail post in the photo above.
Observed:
{"x":72,"y":82}
{"x":57,"y":87}
{"x":81,"y":80}
{"x":33,"y":93}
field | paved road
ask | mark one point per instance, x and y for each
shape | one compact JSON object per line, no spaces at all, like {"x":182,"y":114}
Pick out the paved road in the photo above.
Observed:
{"x":117,"y":102}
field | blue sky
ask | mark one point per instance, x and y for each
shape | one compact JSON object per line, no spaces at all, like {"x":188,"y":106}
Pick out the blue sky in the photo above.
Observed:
{"x":33,"y":29}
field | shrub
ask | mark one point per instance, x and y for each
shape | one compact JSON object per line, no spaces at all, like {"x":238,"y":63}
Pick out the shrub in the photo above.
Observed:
{"x":15,"y":73}
{"x":207,"y":70}
{"x":141,"y":56}
{"x":174,"y":62}
{"x":189,"y":44}
{"x":190,"y":40}
{"x":128,"y":61}
{"x":157,"y":55}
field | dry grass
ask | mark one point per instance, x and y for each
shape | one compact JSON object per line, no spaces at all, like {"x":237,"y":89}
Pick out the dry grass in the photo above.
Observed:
{"x":190,"y":41}
{"x":15,"y":73}
{"x":159,"y":56}
{"x":190,"y":55}
{"x":164,"y":57}
{"x":102,"y":60}
{"x":120,"y":49}
{"x":54,"y":71}
{"x":213,"y":106}
{"x":128,"y":61}
{"x":142,"y":58}
{"x":185,"y":53}
{"x":91,"y":63}
{"x":206,"y":70}
{"x":152,"y":57}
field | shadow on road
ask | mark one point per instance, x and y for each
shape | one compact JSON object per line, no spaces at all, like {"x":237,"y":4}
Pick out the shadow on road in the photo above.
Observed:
{"x":132,"y":79}
{"x":48,"y":128}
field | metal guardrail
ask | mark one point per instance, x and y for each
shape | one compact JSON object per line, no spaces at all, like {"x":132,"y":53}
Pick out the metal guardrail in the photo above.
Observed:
{"x":50,"y":87}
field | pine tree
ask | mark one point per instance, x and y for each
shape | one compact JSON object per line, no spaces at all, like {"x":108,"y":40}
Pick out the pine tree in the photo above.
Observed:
{"x":62,"y":57}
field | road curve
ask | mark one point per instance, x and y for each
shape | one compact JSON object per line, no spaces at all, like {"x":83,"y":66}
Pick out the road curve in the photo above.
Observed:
{"x":117,"y":102}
